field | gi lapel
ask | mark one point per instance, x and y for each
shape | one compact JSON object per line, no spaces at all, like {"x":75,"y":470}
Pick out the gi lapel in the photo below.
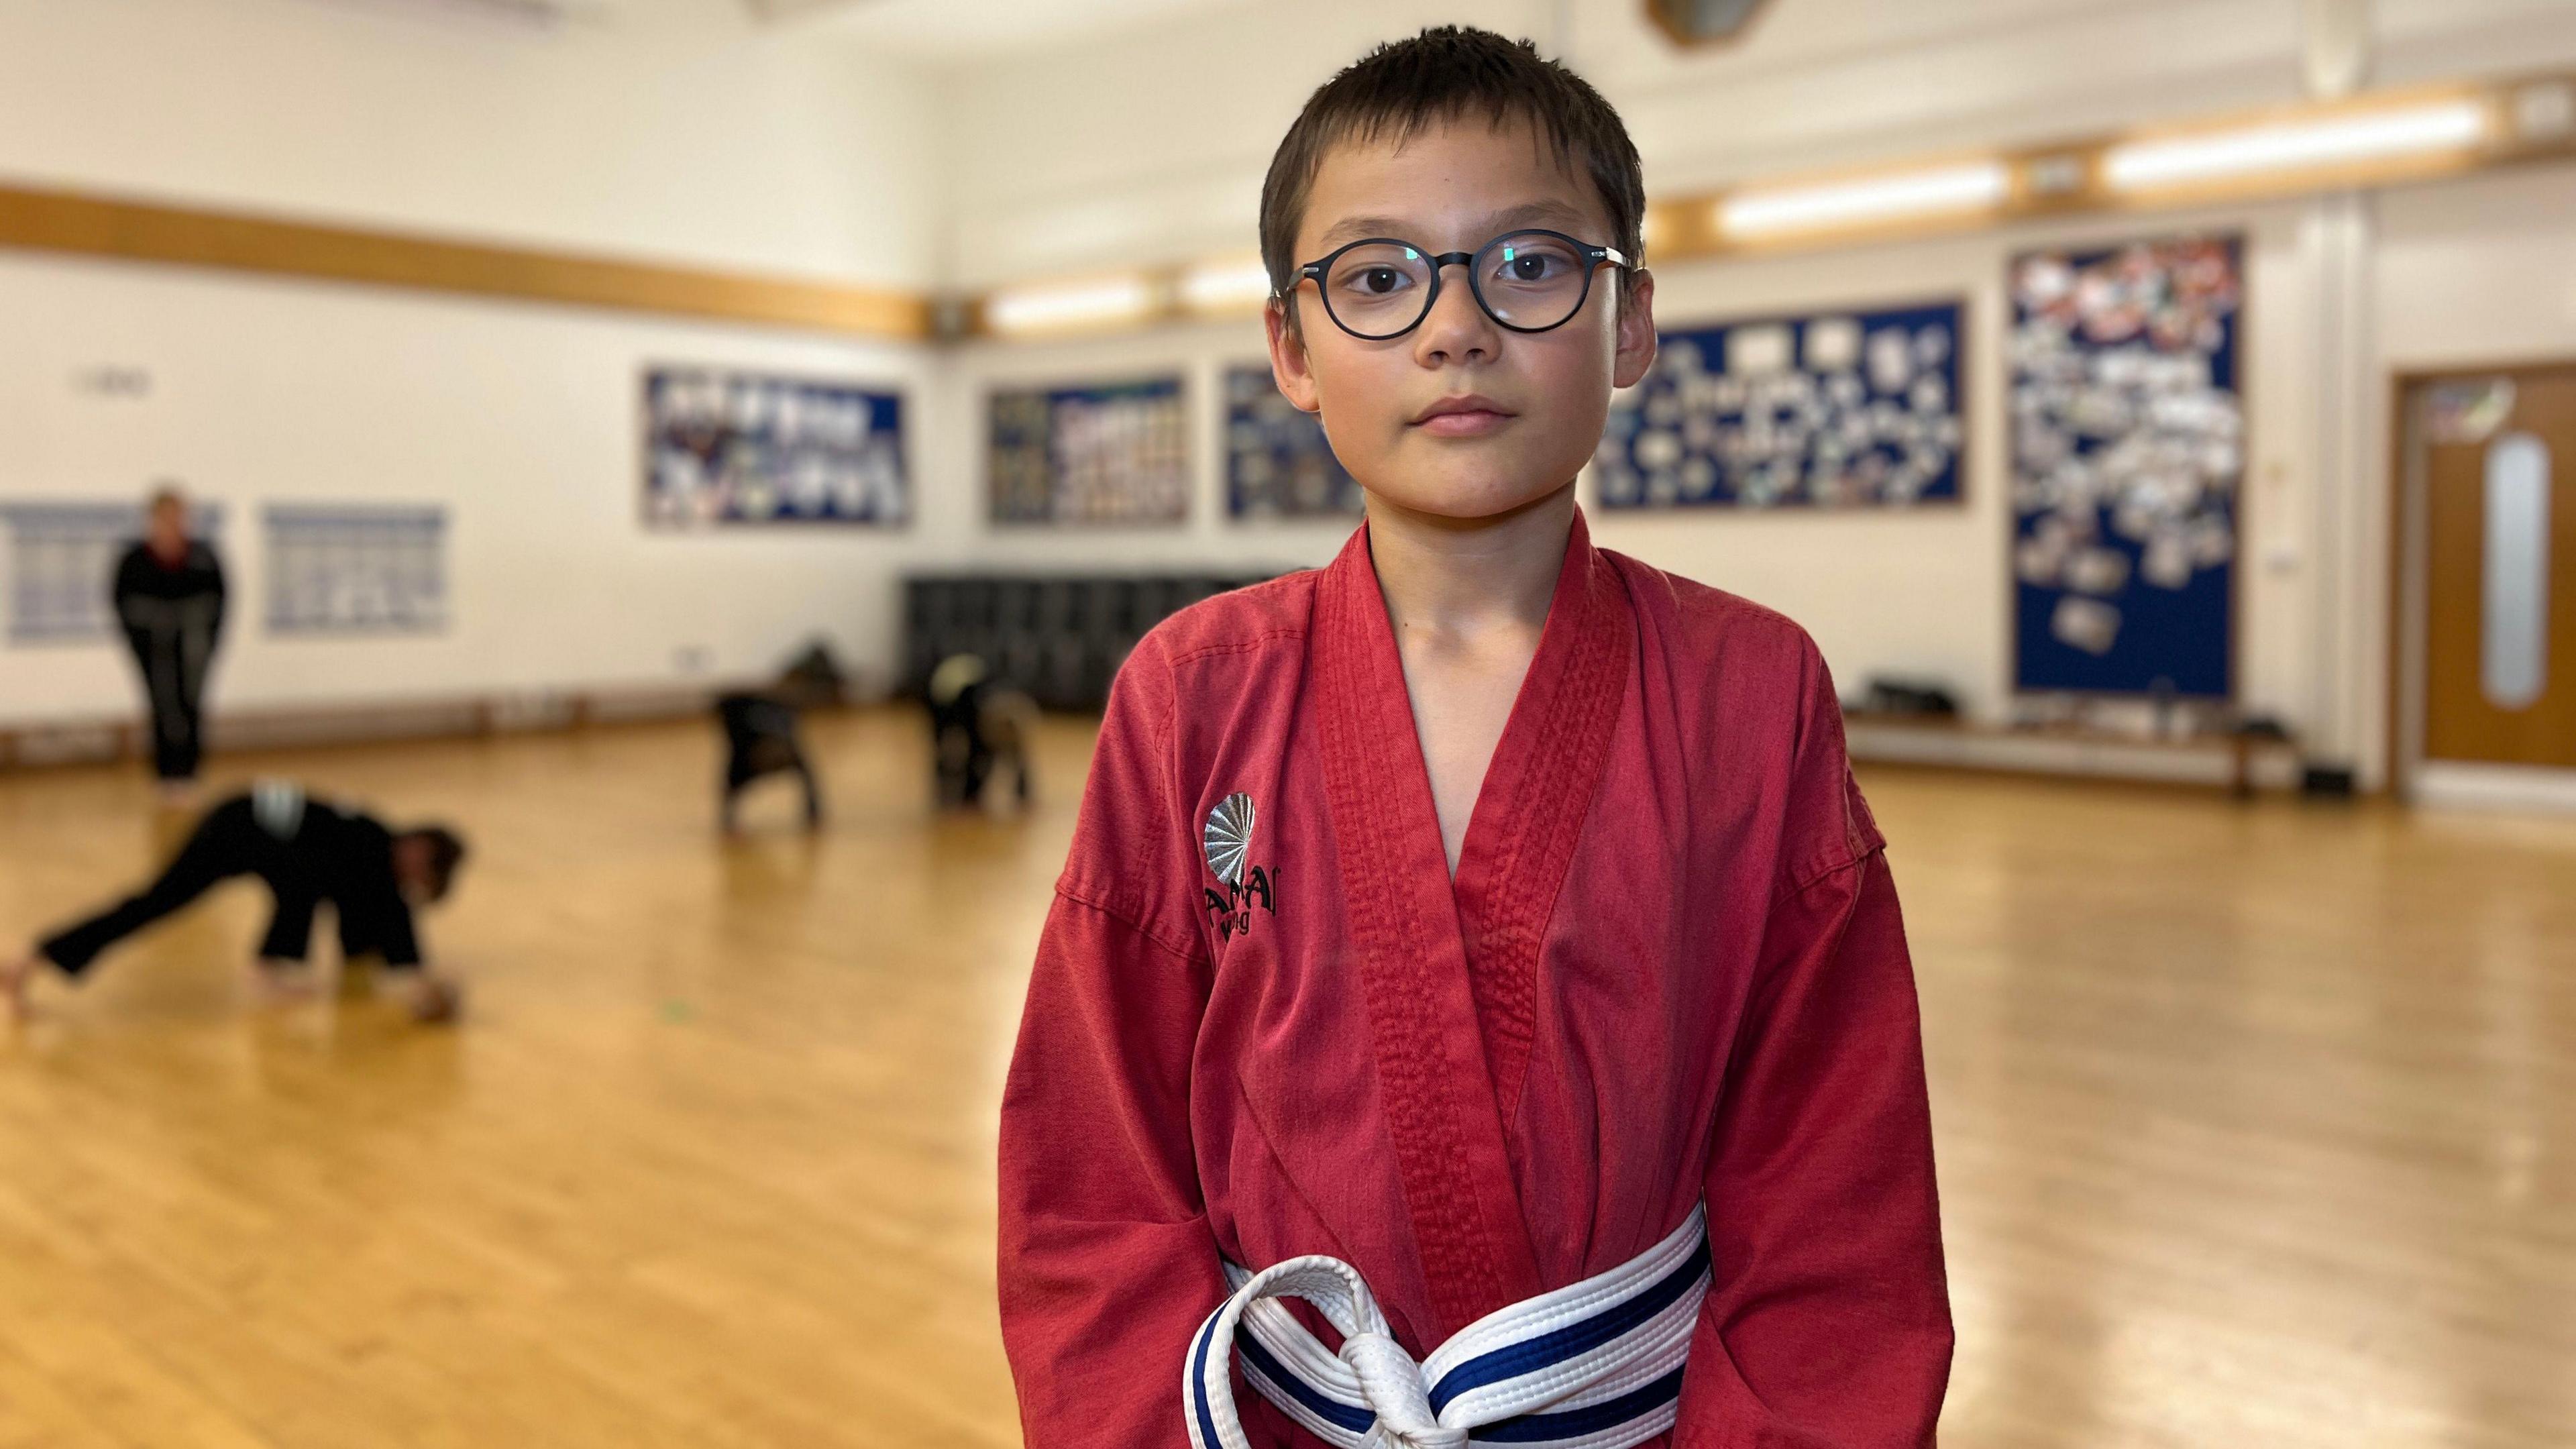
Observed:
{"x":1432,"y":1080}
{"x":1537,"y":790}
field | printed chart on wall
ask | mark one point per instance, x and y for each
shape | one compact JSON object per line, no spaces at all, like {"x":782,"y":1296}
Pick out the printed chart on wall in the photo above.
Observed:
{"x":2128,"y":451}
{"x":1835,"y":410}
{"x":356,"y":568}
{"x":1115,"y":453}
{"x":725,"y":448}
{"x":62,"y":559}
{"x":1278,"y":463}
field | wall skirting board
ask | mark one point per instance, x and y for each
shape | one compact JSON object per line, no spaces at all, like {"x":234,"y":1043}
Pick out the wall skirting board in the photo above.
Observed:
{"x":2214,"y":762}
{"x":90,"y":741}
{"x":2521,"y":789}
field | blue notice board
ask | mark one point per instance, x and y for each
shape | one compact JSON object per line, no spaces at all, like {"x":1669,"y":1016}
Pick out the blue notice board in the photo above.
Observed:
{"x":1278,"y":464}
{"x":1856,"y":409}
{"x":2128,"y":430}
{"x":1102,"y":453}
{"x":733,"y":448}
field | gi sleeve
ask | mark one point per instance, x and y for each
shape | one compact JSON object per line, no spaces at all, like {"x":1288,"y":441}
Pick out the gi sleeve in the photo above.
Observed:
{"x":395,"y":939}
{"x":1106,"y":1264}
{"x":290,"y":925}
{"x":1827,"y":1324}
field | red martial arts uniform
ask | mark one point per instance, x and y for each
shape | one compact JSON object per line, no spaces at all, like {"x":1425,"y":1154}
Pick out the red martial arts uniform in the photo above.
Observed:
{"x":1670,"y":968}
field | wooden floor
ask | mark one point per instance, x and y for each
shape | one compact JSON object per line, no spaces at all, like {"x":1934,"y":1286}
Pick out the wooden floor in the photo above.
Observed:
{"x":2257,"y":1126}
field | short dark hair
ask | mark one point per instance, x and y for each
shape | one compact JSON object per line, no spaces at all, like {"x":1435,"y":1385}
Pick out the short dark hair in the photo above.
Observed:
{"x":1445,"y":73}
{"x":446,"y":851}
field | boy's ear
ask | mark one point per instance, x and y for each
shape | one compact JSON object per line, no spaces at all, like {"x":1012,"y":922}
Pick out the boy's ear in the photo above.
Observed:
{"x":1288,"y":356}
{"x":1636,"y":331}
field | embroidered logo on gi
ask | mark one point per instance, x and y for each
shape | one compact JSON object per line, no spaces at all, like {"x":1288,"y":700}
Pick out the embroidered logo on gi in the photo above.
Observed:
{"x":1228,"y":838}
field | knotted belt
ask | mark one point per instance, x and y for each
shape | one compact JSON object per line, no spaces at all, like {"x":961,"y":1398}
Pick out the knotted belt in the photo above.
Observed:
{"x":1594,"y":1365}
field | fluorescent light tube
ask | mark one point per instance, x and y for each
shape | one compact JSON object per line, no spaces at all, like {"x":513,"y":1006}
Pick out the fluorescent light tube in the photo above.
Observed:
{"x":1819,"y":206}
{"x":1069,"y":304}
{"x":2295,"y":145}
{"x":1225,"y":286}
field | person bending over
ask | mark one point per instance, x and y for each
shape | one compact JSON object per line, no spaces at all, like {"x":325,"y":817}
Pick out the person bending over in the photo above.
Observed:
{"x":308,"y":851}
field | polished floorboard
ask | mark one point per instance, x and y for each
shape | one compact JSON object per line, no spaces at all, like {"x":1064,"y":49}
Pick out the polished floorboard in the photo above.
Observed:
{"x":2257,"y":1125}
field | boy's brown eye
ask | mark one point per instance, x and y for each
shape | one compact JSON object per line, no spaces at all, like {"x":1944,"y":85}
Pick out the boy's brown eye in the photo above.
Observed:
{"x":1371,"y":284}
{"x":1535,"y":260}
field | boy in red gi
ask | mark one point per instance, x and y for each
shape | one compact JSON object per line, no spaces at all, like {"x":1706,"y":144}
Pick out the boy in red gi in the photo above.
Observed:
{"x":1475,"y":1008}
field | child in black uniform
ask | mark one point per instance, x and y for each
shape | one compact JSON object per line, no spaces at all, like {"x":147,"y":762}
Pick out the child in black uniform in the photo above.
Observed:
{"x":308,"y":851}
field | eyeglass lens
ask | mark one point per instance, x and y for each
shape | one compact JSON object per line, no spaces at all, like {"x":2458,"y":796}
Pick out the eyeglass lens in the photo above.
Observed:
{"x":1528,"y":280}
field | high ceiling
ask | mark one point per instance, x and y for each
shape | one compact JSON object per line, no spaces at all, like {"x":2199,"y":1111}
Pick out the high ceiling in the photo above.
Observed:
{"x":957,"y":29}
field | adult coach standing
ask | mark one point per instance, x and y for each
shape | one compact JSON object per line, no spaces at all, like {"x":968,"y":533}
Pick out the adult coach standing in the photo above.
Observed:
{"x":170,"y":600}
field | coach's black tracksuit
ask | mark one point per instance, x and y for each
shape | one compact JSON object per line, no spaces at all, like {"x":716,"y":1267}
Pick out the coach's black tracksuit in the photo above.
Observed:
{"x":173,"y":614}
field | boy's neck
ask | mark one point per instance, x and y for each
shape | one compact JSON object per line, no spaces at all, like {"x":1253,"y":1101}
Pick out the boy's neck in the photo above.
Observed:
{"x":1467,"y":575}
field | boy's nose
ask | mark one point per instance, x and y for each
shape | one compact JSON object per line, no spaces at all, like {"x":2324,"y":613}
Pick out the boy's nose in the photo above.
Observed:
{"x":1457,"y":329}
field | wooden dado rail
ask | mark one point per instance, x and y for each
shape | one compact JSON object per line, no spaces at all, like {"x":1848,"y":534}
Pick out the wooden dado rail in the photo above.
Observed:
{"x":85,"y":225}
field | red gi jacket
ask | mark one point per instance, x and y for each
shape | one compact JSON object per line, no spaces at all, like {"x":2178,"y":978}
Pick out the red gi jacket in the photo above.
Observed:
{"x":1265,"y":1021}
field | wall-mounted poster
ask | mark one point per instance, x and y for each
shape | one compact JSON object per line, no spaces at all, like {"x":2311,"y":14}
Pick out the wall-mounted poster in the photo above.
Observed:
{"x":1830,"y":410}
{"x":356,"y":568}
{"x":1117,"y":453}
{"x":2128,"y":449}
{"x":1277,"y":462}
{"x":739,"y":448}
{"x":62,"y":558}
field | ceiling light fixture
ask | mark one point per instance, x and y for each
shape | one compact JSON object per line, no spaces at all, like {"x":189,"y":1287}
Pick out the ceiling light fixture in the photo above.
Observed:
{"x":2338,"y":140}
{"x":1062,"y":306}
{"x":1225,"y":286}
{"x":1829,"y":205}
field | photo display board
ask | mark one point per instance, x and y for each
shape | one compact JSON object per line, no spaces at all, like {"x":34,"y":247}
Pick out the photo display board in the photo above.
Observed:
{"x":731,"y":448}
{"x":2128,"y":439}
{"x":356,"y":568}
{"x":1278,"y":463}
{"x":62,"y":564}
{"x":1855,"y":409}
{"x":1107,"y":453}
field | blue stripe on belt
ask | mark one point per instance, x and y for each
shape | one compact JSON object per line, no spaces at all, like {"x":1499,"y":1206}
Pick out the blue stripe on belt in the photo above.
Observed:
{"x":1565,"y":1343}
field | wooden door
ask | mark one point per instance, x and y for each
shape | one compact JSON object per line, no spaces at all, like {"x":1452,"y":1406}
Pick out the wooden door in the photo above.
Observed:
{"x":2500,"y":569}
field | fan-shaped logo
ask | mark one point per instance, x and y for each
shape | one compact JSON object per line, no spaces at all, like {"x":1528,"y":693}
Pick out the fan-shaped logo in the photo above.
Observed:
{"x":1228,"y":838}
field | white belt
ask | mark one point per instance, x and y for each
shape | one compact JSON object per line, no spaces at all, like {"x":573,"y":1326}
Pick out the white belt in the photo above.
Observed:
{"x":1596,"y":1365}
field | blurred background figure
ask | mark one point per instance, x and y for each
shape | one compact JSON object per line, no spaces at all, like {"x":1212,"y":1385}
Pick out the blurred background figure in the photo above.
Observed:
{"x":169,"y":591}
{"x":976,"y":725}
{"x":762,"y":736}
{"x":310,"y":853}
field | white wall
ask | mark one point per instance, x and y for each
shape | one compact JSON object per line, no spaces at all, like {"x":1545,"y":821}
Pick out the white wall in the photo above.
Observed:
{"x":1049,"y":175}
{"x":663,"y":129}
{"x":675,"y":129}
{"x":954,"y":525}
{"x":1915,"y":593}
{"x":1927,"y":592}
{"x":522,"y":420}
{"x":2478,"y":271}
{"x":667,"y":130}
{"x":1151,"y":144}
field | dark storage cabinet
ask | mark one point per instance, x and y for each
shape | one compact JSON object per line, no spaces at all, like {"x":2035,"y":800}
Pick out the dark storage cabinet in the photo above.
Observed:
{"x":1060,"y":637}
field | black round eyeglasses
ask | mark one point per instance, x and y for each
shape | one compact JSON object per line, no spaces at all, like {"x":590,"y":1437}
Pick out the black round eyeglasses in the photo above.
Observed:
{"x":1527,"y":281}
